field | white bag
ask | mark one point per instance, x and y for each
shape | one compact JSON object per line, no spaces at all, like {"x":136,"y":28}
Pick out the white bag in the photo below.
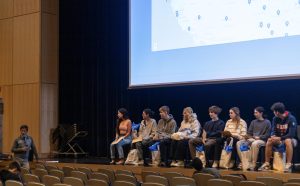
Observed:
{"x":201,"y":156}
{"x":225,"y":161}
{"x":155,"y":157}
{"x":245,"y":157}
{"x":279,"y":161}
{"x":132,"y":158}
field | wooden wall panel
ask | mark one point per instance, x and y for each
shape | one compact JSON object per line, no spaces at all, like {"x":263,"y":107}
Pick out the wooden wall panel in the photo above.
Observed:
{"x":49,"y":114}
{"x":6,"y":54}
{"x":6,"y":94}
{"x":26,"y":49}
{"x":26,"y":110}
{"x":50,"y":6}
{"x":6,"y":8}
{"x":49,"y":48}
{"x":22,"y":7}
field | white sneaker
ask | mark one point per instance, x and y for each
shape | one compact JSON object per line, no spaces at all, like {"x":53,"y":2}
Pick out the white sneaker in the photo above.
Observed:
{"x":264,"y":167}
{"x":215,"y":164}
{"x":179,"y":164}
{"x":288,"y":167}
{"x":141,"y":162}
{"x":173,"y":164}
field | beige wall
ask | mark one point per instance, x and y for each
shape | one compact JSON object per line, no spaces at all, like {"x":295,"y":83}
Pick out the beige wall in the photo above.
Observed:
{"x":29,"y":69}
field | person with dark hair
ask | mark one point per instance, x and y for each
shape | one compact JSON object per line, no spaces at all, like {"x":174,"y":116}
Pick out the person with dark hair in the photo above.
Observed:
{"x":146,"y":132}
{"x":197,"y":164}
{"x":165,"y":128}
{"x":189,"y":129}
{"x":284,"y":126}
{"x":123,"y":136}
{"x":22,"y":147}
{"x":13,"y":173}
{"x":257,"y":135}
{"x":237,"y":128}
{"x":211,"y":136}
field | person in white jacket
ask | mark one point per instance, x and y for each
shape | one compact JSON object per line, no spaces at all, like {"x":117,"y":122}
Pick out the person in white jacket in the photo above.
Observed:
{"x":189,"y":129}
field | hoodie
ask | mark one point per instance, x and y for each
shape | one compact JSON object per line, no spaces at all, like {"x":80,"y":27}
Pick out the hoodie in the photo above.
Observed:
{"x":166,"y":128}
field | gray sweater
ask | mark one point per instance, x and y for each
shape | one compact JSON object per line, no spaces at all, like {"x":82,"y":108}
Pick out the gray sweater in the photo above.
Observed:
{"x":166,"y":128}
{"x":148,"y":129}
{"x":260,"y":128}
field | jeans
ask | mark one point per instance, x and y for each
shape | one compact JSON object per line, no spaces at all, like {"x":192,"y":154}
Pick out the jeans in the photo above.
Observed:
{"x":119,"y":147}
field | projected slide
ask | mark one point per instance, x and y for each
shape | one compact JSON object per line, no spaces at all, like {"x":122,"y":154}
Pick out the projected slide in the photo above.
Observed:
{"x":209,"y":22}
{"x":212,"y":41}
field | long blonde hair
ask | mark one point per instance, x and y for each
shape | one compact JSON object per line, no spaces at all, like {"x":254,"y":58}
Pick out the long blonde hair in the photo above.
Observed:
{"x":237,"y":118}
{"x":193,"y":115}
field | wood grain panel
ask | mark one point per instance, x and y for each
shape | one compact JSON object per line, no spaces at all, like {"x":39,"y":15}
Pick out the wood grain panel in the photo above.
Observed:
{"x":6,"y":94}
{"x":50,"y":6}
{"x":22,"y":7}
{"x":49,"y":48}
{"x":6,"y":50}
{"x":6,"y":8}
{"x":26,"y":49}
{"x":26,"y":110}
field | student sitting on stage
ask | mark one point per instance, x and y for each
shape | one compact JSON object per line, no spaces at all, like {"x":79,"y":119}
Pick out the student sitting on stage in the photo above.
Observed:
{"x":123,"y":136}
{"x":146,"y":133}
{"x":165,"y":128}
{"x":237,"y":127}
{"x":258,"y":133}
{"x":189,"y":129}
{"x":211,"y":137}
{"x":197,"y":164}
{"x":284,"y":128}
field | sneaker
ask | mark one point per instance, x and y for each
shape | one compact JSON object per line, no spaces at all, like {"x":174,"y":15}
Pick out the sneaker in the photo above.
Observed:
{"x":112,"y":162}
{"x":120,"y":162}
{"x":264,"y":167}
{"x":141,"y":162}
{"x":215,"y":164}
{"x":179,"y":164}
{"x":288,"y":167}
{"x":240,"y":166}
{"x":173,"y":164}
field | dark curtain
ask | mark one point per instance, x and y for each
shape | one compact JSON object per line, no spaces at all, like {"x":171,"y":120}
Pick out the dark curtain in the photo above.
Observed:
{"x":93,"y":81}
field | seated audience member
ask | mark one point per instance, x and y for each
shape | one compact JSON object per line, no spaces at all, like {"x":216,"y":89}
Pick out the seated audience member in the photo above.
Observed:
{"x":211,"y":137}
{"x":257,"y":135}
{"x":284,"y":128}
{"x":146,"y":133}
{"x":189,"y":129}
{"x":165,"y":128}
{"x":197,"y":164}
{"x":123,"y":136}
{"x":13,"y":173}
{"x":237,"y":127}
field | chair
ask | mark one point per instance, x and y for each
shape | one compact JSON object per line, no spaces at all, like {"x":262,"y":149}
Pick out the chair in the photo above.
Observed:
{"x":61,"y":184}
{"x":127,"y":172}
{"x":251,"y":183}
{"x":202,"y":178}
{"x":100,"y":176}
{"x":123,"y":183}
{"x":270,"y":181}
{"x":152,"y":184}
{"x":31,"y":178}
{"x":73,"y":181}
{"x":95,"y":182}
{"x":81,"y":175}
{"x":67,"y":170}
{"x":24,"y":171}
{"x":57,"y":173}
{"x":127,"y":178}
{"x":170,"y":175}
{"x":51,"y":167}
{"x":13,"y":183}
{"x":35,"y":184}
{"x":176,"y":181}
{"x":156,"y":179}
{"x":40,"y":166}
{"x":218,"y":182}
{"x":233,"y":178}
{"x":86,"y":170}
{"x":49,"y":180}
{"x":110,"y":173}
{"x":291,"y":184}
{"x":40,"y":173}
{"x":294,"y":180}
{"x":146,"y":173}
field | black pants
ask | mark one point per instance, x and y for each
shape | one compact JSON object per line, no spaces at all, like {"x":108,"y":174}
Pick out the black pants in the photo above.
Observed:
{"x":179,"y":149}
{"x":164,"y":147}
{"x":234,"y":155}
{"x":143,"y":148}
